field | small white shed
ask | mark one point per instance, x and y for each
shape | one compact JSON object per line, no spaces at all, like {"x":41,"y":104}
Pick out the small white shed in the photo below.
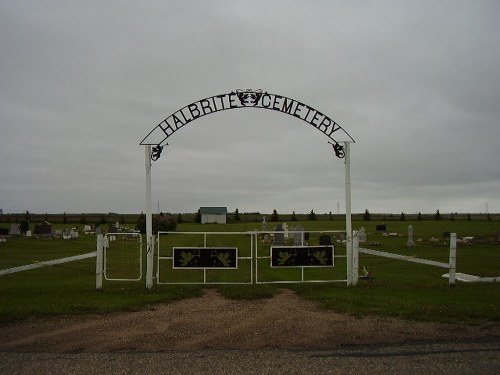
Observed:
{"x":215,"y":215}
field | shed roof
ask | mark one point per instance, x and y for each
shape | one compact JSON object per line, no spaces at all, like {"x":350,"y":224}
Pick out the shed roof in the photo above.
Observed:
{"x":213,"y":210}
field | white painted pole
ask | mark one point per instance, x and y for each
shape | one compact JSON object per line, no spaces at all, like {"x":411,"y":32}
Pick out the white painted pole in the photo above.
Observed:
{"x":149,"y":221}
{"x":453,"y":259}
{"x":99,"y":261}
{"x":355,"y":259}
{"x":348,"y":221}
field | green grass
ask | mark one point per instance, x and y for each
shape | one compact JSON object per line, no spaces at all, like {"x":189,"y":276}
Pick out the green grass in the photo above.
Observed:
{"x":399,"y":289}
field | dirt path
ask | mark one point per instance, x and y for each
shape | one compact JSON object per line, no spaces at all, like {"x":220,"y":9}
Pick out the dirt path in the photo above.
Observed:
{"x":214,"y":322}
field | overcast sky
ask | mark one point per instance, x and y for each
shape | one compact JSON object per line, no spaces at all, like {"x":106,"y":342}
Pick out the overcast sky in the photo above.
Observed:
{"x":415,"y":83}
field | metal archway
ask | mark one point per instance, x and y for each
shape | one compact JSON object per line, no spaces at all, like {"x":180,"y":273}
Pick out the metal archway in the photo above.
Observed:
{"x":239,"y":99}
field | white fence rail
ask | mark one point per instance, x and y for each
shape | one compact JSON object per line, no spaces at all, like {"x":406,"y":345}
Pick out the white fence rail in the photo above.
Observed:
{"x":451,"y":265}
{"x":47,"y":263}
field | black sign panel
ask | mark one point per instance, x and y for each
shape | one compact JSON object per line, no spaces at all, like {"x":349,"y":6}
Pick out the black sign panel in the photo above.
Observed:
{"x":301,"y":256}
{"x":205,"y":257}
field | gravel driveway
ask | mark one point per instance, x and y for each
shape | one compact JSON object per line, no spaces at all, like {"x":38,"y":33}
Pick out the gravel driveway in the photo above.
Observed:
{"x":211,"y":334}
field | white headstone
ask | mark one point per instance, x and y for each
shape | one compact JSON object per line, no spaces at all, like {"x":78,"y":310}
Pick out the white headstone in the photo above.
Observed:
{"x":298,"y":235}
{"x":362,"y":234}
{"x":14,"y":230}
{"x":410,"y":242}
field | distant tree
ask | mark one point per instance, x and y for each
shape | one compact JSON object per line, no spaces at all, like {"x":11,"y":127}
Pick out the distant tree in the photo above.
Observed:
{"x":122,"y":219}
{"x":312,"y":215}
{"x":419,"y":217}
{"x":402,"y":217}
{"x":452,"y":217}
{"x":27,"y":216}
{"x":24,"y":226}
{"x":83,"y":219}
{"x":275,"y":216}
{"x":197,"y":217}
{"x":65,"y":218}
{"x":437,"y":216}
{"x":160,"y":222}
{"x":488,"y":217}
{"x":102,"y":220}
{"x":331,"y":215}
{"x":141,"y":222}
{"x":179,"y":218}
{"x":366,"y":215}
{"x":468,"y":217}
{"x":46,"y":217}
{"x":293,"y":218}
{"x":236,"y":215}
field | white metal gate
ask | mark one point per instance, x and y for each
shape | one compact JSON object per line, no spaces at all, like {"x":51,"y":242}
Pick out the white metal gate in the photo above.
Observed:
{"x":247,"y":257}
{"x":123,"y":256}
{"x":205,"y":258}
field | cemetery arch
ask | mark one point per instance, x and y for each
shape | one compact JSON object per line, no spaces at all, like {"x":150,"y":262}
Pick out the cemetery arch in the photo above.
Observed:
{"x":244,"y":99}
{"x":238,"y":99}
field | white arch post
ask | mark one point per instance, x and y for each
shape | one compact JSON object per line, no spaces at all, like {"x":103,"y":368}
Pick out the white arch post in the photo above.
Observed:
{"x":149,"y":221}
{"x":348,"y":220}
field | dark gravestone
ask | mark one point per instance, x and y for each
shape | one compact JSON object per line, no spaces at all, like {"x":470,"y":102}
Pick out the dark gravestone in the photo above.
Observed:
{"x":325,"y":240}
{"x":43,"y":229}
{"x":279,"y":236}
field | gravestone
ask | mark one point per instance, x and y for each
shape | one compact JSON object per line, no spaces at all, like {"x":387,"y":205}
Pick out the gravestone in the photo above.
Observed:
{"x":381,"y":228}
{"x":264,"y":223}
{"x":297,"y":235}
{"x":14,"y":230}
{"x":279,"y":238}
{"x":66,"y":234}
{"x":362,"y":234}
{"x":410,"y":242}
{"x":325,"y":240}
{"x":285,"y":231}
{"x":43,"y":229}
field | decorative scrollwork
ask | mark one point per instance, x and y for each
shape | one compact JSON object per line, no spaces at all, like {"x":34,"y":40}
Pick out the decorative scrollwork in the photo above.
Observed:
{"x":338,"y":149}
{"x":156,"y":152}
{"x":249,"y":97}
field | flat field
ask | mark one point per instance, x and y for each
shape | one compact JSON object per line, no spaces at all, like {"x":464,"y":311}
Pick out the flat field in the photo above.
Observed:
{"x":397,"y":288}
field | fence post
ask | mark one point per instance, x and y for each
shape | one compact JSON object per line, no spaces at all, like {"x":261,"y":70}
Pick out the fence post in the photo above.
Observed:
{"x":99,"y":261}
{"x":355,"y":259}
{"x":453,"y":259}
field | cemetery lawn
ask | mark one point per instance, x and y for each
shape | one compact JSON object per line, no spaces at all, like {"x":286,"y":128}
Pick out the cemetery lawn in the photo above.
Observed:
{"x":397,"y":289}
